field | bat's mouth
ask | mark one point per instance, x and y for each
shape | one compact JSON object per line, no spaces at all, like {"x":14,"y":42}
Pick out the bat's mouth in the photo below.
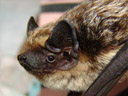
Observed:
{"x":28,"y":68}
{"x":31,"y":69}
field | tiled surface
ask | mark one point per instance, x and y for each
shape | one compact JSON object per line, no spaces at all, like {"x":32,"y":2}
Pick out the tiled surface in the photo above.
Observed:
{"x":14,"y":15}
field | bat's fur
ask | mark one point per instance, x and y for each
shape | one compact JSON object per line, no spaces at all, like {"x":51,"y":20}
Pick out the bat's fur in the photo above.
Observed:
{"x":100,"y":26}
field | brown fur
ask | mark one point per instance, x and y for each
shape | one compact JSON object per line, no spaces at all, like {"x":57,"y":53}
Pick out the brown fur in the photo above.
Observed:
{"x":100,"y":26}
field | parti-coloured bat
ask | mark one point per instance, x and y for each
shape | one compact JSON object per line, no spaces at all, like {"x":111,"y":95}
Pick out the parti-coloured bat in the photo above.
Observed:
{"x":69,"y":54}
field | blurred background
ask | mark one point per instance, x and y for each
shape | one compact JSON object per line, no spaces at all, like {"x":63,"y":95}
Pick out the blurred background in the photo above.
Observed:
{"x":14,"y":14}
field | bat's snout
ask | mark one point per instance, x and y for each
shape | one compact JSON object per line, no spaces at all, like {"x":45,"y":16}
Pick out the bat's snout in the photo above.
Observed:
{"x":30,"y":60}
{"x":23,"y":60}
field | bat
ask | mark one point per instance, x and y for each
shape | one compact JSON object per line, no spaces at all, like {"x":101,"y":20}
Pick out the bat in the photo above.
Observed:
{"x":70,"y":53}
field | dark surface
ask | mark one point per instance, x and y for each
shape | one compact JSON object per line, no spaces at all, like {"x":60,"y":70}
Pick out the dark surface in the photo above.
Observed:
{"x":124,"y":93}
{"x":72,"y":93}
{"x":57,"y":7}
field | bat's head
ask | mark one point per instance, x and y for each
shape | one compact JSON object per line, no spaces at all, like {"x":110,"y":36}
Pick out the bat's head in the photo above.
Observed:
{"x":47,"y":54}
{"x":98,"y":30}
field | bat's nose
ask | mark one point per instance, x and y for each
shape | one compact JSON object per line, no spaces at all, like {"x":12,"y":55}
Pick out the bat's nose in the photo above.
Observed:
{"x":21,"y":58}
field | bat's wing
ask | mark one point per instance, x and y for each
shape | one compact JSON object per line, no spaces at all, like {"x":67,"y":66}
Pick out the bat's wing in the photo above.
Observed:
{"x":111,"y":74}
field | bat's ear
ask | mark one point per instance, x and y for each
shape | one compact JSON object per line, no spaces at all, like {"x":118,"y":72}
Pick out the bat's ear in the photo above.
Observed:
{"x":63,"y":36}
{"x":31,"y":25}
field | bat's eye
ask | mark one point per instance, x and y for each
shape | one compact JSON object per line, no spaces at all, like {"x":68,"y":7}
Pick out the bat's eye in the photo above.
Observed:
{"x":50,"y":58}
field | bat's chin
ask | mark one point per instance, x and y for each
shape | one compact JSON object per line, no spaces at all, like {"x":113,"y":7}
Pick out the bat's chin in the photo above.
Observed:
{"x":36,"y":70}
